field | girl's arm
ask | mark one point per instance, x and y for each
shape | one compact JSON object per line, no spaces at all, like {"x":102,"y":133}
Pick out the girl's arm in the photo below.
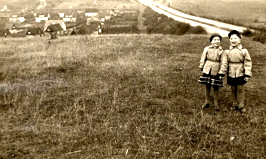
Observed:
{"x":203,"y":57}
{"x":224,"y":63}
{"x":247,"y":64}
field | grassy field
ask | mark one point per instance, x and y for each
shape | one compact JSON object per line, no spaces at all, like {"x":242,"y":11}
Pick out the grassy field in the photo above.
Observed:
{"x":122,"y":96}
{"x":250,"y":13}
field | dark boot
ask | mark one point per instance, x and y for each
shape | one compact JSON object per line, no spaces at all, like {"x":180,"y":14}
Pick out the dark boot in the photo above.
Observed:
{"x":205,"y":105}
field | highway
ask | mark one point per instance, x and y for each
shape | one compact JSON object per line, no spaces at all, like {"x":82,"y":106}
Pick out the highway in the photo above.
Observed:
{"x":210,"y":26}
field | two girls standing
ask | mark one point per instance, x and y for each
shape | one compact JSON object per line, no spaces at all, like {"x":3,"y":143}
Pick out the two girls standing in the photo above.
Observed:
{"x":216,"y":62}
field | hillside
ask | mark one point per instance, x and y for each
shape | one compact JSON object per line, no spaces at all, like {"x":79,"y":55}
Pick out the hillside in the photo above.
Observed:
{"x":250,"y":13}
{"x":18,"y":4}
{"x":62,"y":4}
{"x":122,"y":96}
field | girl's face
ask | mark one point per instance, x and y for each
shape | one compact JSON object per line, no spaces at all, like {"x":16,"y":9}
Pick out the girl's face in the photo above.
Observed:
{"x":235,"y":40}
{"x":216,"y":41}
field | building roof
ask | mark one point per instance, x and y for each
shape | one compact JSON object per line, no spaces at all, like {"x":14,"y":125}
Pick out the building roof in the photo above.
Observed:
{"x":70,"y":25}
{"x":34,"y":31}
{"x":73,"y":32}
{"x":31,"y":25}
{"x":20,"y":33}
{"x":52,"y":22}
{"x":54,"y":28}
{"x":25,"y":32}
{"x":11,"y":26}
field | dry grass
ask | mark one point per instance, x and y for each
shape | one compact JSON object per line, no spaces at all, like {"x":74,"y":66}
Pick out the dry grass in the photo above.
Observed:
{"x":122,"y":96}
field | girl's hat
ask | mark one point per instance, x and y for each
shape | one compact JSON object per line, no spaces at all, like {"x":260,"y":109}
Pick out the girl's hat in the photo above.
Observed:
{"x":234,"y":32}
{"x":214,"y":35}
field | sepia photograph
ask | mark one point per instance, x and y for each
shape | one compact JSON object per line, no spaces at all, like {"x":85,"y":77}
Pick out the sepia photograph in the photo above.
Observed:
{"x":132,"y":79}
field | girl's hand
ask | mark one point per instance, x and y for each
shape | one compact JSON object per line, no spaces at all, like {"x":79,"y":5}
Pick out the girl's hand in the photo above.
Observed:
{"x":246,"y":79}
{"x":221,"y":76}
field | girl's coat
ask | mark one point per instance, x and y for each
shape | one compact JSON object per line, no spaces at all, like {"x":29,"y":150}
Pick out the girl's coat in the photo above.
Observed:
{"x":238,"y":62}
{"x":213,"y":61}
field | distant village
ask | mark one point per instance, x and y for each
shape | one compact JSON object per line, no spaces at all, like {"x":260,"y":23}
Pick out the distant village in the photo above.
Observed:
{"x":41,"y":22}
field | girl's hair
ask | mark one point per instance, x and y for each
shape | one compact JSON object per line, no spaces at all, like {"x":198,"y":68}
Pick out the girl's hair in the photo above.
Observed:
{"x":234,"y":32}
{"x":214,"y":35}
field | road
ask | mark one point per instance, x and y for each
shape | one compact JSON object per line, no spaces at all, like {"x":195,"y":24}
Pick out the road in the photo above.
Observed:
{"x":210,"y":26}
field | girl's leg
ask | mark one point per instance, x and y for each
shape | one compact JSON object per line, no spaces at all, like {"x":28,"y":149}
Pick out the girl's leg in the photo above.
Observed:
{"x":234,"y":96}
{"x":207,"y":96}
{"x":216,"y":97}
{"x":241,"y":94}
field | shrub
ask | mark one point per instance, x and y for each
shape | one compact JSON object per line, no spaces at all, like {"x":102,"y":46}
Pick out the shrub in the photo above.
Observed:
{"x":149,"y":29}
{"x":159,"y":23}
{"x":126,"y":22}
{"x":196,"y":30}
{"x":260,"y":36}
{"x":169,"y":30}
{"x":256,"y":20}
{"x":182,"y":28}
{"x":247,"y":33}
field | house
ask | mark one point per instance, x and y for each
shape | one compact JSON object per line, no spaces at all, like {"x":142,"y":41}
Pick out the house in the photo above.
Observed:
{"x":20,"y":33}
{"x":34,"y":31}
{"x":42,"y":16}
{"x":5,"y":9}
{"x":73,"y":32}
{"x":70,"y":25}
{"x":91,"y":20}
{"x":84,"y":30}
{"x":13,"y":17}
{"x":12,"y":27}
{"x":30,"y":17}
{"x":4,"y":33}
{"x":90,"y":12}
{"x":80,"y":11}
{"x":62,"y":12}
{"x":4,"y":16}
{"x":30,"y":32}
{"x":52,"y":22}
{"x":70,"y":17}
{"x":54,"y":28}
{"x":30,"y":25}
{"x":16,"y":18}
